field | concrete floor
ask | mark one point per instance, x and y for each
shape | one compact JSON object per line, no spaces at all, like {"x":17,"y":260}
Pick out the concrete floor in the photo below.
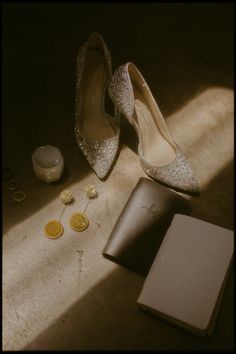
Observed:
{"x":52,"y":298}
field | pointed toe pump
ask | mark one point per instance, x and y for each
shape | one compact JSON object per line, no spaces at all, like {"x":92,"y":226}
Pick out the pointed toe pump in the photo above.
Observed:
{"x":97,"y":133}
{"x":159,"y":155}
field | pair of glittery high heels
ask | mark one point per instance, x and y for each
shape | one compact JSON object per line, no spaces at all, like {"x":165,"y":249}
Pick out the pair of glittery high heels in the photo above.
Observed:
{"x":97,"y":132}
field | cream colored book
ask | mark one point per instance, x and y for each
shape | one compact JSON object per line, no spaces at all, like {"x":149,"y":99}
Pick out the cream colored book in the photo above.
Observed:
{"x":186,"y":281}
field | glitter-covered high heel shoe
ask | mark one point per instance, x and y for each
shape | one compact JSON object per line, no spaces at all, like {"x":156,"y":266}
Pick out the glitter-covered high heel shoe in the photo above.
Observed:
{"x":159,"y":155}
{"x":97,"y":133}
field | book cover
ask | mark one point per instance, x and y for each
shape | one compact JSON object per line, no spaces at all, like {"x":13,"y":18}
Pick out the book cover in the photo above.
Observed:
{"x":186,"y":281}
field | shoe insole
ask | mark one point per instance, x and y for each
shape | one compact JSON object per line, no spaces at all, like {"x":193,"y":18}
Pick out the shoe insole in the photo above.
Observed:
{"x":92,"y":116}
{"x":156,"y":148}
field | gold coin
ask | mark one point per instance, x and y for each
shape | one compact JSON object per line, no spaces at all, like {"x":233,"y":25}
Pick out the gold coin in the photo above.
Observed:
{"x":53,"y":229}
{"x":79,"y":222}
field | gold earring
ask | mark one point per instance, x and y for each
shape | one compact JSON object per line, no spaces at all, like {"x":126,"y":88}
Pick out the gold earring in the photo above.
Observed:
{"x":54,"y":229}
{"x":79,"y":221}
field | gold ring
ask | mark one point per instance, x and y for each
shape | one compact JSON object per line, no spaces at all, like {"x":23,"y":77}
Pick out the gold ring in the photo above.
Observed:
{"x":19,"y":196}
{"x":12,"y":184}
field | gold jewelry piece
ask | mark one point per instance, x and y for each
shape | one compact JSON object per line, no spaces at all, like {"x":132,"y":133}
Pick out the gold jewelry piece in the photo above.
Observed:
{"x":19,"y":196}
{"x":53,"y":229}
{"x":79,"y":222}
{"x":12,"y":184}
{"x":91,"y":191}
{"x":66,"y":197}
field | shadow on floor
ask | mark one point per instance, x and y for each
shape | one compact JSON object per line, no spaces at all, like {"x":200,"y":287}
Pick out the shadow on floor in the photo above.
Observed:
{"x":181,"y":49}
{"x":107,"y":318}
{"x":217,"y":199}
{"x":38,"y":193}
{"x":178,"y":49}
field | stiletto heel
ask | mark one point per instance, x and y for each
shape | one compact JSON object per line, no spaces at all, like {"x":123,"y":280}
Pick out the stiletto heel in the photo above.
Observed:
{"x":159,"y":155}
{"x":97,"y":133}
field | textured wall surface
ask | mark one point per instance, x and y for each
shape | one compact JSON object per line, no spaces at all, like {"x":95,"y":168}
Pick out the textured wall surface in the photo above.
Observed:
{"x":52,"y":299}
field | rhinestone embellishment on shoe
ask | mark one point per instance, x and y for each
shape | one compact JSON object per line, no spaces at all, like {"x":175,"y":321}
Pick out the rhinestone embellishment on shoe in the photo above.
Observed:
{"x":100,"y":154}
{"x":178,"y":173}
{"x":121,"y":93}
